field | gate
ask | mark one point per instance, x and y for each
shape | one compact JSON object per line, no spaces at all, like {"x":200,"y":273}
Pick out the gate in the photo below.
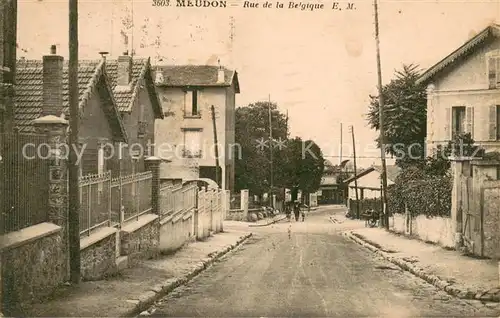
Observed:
{"x":470,"y":216}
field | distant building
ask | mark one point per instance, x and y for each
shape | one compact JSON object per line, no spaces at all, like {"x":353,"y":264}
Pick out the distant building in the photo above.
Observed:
{"x":369,"y":182}
{"x":186,"y":135}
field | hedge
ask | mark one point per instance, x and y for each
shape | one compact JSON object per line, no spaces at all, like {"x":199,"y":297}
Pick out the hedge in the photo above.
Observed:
{"x":430,"y":196}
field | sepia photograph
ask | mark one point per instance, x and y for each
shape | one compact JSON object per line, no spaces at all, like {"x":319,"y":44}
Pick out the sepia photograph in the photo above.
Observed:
{"x":250,"y":158}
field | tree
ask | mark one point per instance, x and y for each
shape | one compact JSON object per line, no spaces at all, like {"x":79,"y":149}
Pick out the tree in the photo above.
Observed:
{"x":301,"y":166}
{"x":405,"y":115}
{"x":253,"y":168}
{"x":297,"y":164}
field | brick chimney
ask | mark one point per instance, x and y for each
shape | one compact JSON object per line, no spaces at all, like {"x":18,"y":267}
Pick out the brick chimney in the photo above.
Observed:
{"x":52,"y":83}
{"x":220,"y":75}
{"x":124,"y":69}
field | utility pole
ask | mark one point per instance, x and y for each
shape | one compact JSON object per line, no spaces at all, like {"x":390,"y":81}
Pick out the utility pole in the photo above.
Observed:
{"x":74,"y":118}
{"x":271,"y":150}
{"x":216,"y":147}
{"x":381,"y":123}
{"x":355,"y":172}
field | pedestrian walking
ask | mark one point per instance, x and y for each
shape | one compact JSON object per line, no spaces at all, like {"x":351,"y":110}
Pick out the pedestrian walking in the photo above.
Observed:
{"x":296,"y":210}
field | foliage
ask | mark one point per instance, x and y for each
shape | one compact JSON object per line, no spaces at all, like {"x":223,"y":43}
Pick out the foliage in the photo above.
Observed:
{"x":297,"y":164}
{"x":425,"y":186}
{"x":253,"y":164}
{"x":405,"y":114}
{"x":300,"y":165}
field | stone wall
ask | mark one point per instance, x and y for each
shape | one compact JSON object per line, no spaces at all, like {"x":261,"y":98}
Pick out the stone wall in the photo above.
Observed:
{"x":33,"y":265}
{"x":141,"y":238}
{"x":436,"y":229}
{"x":491,"y":217}
{"x":98,"y":255}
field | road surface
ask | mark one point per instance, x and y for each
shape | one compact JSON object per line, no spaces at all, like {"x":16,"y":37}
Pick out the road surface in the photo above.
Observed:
{"x":309,"y":270}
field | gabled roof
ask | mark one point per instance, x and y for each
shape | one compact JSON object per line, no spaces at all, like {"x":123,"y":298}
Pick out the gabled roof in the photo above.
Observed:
{"x":29,"y":93}
{"x":392,"y":172}
{"x":196,"y":75}
{"x":141,"y":75}
{"x":359,"y":175}
{"x":492,"y":31}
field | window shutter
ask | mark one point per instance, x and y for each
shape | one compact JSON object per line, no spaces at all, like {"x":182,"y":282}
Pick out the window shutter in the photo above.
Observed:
{"x":469,"y":120}
{"x":188,"y":103}
{"x":492,"y":120}
{"x":492,"y":72}
{"x":447,"y":124}
{"x":497,"y":70}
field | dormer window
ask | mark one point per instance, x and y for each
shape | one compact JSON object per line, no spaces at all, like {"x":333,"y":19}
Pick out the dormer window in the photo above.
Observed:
{"x":493,"y":68}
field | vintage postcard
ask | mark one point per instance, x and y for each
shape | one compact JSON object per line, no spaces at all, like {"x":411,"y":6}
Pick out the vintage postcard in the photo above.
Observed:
{"x":249,"y":158}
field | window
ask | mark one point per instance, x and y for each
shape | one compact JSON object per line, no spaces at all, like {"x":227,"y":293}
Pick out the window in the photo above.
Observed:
{"x":458,"y":120}
{"x":191,"y":108}
{"x":493,"y":67}
{"x":192,"y":143}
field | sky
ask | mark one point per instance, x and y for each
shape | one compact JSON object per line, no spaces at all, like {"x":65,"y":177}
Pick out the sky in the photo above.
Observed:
{"x":320,"y":66}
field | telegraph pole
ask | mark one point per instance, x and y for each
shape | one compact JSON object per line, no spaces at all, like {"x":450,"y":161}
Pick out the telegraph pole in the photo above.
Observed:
{"x":216,"y":147}
{"x":74,"y":189}
{"x":381,"y":123}
{"x":271,"y":149}
{"x":355,"y":172}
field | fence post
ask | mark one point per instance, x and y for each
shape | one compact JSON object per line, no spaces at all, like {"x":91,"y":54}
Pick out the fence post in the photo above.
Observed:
{"x":55,"y":128}
{"x":227,"y":206}
{"x":244,"y":203}
{"x":153,"y":165}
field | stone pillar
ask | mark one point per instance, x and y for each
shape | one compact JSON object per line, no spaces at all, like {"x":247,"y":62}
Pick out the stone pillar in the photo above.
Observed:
{"x":456,"y":201}
{"x":56,"y":130}
{"x":153,"y":165}
{"x":244,"y":203}
{"x":273,"y":201}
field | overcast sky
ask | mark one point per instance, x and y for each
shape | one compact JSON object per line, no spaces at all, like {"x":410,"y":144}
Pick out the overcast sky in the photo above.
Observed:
{"x":320,"y":65}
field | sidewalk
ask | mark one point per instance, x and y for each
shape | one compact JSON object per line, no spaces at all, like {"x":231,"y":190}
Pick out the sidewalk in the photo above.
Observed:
{"x":459,"y":275}
{"x":135,"y":289}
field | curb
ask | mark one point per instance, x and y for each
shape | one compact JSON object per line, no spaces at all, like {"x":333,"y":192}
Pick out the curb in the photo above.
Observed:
{"x":147,"y":299}
{"x":269,"y":223}
{"x":492,"y":295}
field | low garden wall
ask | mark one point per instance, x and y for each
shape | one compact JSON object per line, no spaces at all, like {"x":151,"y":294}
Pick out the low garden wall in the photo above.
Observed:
{"x":98,"y":254}
{"x":436,"y":229}
{"x":141,"y":238}
{"x":175,"y":231}
{"x":34,"y":263}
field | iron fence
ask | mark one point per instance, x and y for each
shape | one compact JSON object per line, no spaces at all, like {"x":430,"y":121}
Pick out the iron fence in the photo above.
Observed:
{"x":24,"y":185}
{"x":130,"y":196}
{"x":95,"y":201}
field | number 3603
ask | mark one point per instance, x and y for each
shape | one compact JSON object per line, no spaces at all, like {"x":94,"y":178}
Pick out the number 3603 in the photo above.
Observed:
{"x":161,"y":3}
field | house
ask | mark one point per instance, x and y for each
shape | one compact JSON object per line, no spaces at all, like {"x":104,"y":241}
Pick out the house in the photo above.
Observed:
{"x":369,"y":182}
{"x":330,"y":190}
{"x":186,"y":135}
{"x":131,"y":80}
{"x":42,"y":89}
{"x":118,"y":105}
{"x":463,"y":92}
